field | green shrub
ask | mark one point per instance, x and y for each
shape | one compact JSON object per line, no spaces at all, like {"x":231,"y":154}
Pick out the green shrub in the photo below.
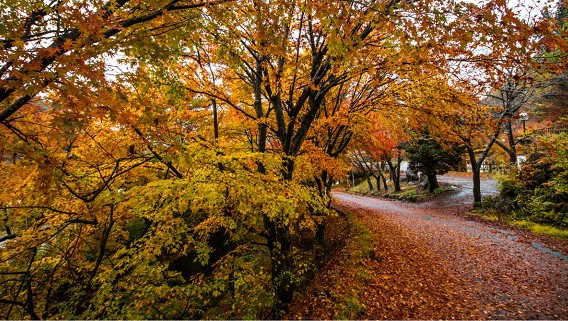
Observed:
{"x":539,"y":191}
{"x":509,"y":188}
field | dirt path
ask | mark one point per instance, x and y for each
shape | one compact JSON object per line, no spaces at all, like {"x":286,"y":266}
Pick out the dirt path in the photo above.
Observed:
{"x":432,"y":264}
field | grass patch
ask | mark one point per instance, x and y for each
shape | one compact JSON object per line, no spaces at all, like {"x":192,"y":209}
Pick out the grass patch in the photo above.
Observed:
{"x":537,"y":228}
{"x":362,"y":245}
{"x":541,"y":229}
{"x":488,"y":214}
{"x":411,"y":193}
{"x":350,"y":308}
{"x":361,"y":188}
{"x":361,"y":248}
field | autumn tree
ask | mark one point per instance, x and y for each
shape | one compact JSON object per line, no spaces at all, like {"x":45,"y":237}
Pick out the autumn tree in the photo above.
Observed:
{"x":521,"y":80}
{"x":150,"y":195}
{"x":385,"y":142}
{"x":369,"y":167}
{"x":474,"y":128}
{"x":292,"y":61}
{"x":79,"y":175}
{"x":531,"y":51}
{"x":515,"y":93}
{"x":378,"y":139}
{"x":47,"y":40}
{"x":431,"y":158}
{"x":339,"y":121}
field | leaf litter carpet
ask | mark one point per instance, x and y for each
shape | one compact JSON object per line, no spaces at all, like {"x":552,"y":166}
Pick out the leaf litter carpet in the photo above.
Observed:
{"x":429,"y":263}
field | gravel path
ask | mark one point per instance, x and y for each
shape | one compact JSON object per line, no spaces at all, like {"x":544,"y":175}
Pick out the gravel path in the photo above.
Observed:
{"x":432,"y":263}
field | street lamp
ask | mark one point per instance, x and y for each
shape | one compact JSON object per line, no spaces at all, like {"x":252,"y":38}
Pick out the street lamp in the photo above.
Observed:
{"x":524,"y":118}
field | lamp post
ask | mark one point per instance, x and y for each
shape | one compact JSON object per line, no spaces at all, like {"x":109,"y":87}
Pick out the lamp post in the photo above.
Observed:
{"x":524,"y":118}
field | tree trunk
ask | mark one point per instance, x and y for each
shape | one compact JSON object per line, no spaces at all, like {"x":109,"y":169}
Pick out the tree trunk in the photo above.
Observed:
{"x":476,"y":169}
{"x":324,"y":183}
{"x":279,"y":243}
{"x":328,"y":185}
{"x":511,"y":147}
{"x":368,"y":178}
{"x":397,"y":178}
{"x":215,"y":121}
{"x":378,"y":182}
{"x":476,"y":186}
{"x":288,"y":168}
{"x":321,"y":183}
{"x":476,"y":163}
{"x":386,"y":187}
{"x":395,"y":172}
{"x":432,"y":182}
{"x":381,"y":177}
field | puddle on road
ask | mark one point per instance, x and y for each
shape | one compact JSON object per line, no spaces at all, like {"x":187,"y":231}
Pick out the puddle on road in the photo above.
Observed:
{"x":544,"y":249}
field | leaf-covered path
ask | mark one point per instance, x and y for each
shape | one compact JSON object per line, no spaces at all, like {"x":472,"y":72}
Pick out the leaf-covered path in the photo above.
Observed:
{"x":429,"y":263}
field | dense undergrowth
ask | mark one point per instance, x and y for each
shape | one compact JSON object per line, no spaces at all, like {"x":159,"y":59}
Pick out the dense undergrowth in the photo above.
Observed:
{"x":333,"y":295}
{"x":536,"y":196}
